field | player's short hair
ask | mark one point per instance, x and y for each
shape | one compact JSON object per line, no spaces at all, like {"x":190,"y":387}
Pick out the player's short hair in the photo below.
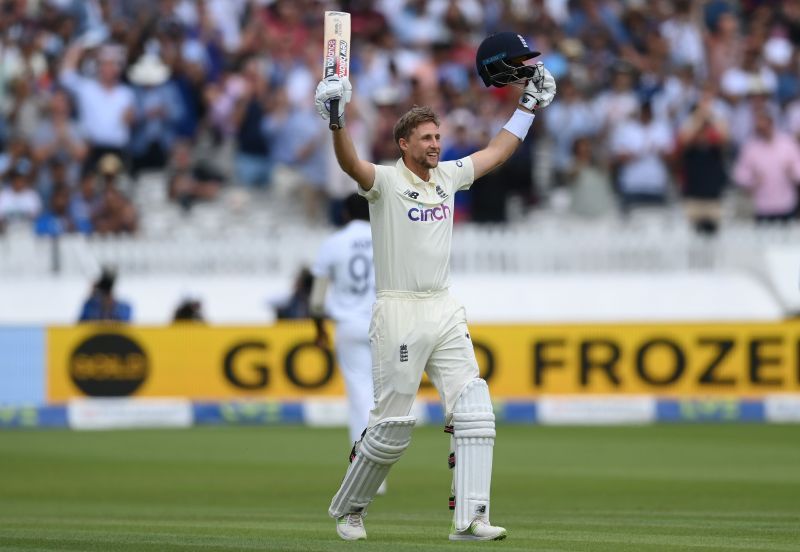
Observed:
{"x":414,"y":117}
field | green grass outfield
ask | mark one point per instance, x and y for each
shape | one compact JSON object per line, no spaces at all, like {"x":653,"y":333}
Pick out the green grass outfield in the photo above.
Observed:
{"x":655,"y":488}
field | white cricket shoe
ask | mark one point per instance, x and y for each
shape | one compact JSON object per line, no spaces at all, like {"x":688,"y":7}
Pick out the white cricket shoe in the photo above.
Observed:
{"x":351,"y":527}
{"x":479,"y":530}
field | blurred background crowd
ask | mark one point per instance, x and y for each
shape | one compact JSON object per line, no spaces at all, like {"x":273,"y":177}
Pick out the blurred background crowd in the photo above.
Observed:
{"x":665,"y":104}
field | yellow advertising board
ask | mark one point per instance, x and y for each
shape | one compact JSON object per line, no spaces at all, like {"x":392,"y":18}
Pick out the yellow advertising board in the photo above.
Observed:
{"x":282,"y":362}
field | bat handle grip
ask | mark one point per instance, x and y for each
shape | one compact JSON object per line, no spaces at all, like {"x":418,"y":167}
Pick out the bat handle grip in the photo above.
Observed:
{"x":335,"y":123}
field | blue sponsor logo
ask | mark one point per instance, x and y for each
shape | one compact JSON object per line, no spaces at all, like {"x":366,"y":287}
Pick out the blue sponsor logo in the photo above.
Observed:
{"x":495,"y":57}
{"x":420,"y":214}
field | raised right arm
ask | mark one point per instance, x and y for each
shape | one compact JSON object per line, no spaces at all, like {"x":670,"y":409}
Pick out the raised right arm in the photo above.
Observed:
{"x":68,"y":73}
{"x":334,"y":88}
{"x":363,"y":172}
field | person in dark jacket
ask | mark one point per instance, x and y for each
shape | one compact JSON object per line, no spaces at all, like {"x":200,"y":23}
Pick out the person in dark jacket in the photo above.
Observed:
{"x":101,"y":305}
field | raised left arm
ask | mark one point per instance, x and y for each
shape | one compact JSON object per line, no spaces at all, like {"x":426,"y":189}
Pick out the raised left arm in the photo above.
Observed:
{"x":497,"y":152}
{"x":538,"y":93}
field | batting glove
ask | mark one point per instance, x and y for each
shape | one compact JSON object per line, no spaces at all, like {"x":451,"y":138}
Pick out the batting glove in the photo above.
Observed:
{"x":331,"y":88}
{"x":540,"y":90}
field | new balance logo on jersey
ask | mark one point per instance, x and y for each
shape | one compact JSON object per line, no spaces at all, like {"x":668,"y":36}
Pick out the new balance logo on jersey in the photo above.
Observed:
{"x":420,"y":214}
{"x":403,"y":353}
{"x":411,"y":194}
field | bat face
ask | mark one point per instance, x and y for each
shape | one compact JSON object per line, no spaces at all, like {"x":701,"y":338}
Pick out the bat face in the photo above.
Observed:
{"x":336,"y":59}
{"x":337,"y":44}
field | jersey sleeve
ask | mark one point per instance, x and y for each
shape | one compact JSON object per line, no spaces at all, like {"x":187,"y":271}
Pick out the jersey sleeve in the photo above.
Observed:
{"x":463,"y":174}
{"x":72,"y":80}
{"x":379,"y":185}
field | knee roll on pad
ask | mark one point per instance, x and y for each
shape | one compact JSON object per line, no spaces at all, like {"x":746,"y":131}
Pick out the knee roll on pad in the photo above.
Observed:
{"x":379,"y":448}
{"x":473,"y":433}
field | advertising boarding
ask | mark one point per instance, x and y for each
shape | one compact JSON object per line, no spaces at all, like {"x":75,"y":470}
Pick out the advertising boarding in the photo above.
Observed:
{"x":519,"y":361}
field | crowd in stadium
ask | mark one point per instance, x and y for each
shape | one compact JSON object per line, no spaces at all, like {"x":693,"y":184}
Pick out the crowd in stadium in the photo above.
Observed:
{"x":659,"y":103}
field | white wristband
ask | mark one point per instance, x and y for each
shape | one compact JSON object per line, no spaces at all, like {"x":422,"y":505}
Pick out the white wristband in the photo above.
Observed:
{"x":519,"y":123}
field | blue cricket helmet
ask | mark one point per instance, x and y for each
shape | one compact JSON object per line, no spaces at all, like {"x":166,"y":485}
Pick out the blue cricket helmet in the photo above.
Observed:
{"x":500,"y":59}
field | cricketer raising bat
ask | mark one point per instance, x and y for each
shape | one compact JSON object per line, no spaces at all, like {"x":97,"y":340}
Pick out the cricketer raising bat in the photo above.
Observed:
{"x":337,"y":54}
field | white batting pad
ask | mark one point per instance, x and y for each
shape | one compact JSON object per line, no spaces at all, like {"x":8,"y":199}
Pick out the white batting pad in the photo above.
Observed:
{"x":379,"y":448}
{"x":473,"y":432}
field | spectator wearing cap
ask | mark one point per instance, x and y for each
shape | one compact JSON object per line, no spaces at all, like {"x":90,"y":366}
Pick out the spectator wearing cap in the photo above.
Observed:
{"x":187,"y":60}
{"x":158,"y":112}
{"x":115,"y":213}
{"x":18,"y":200}
{"x":105,"y":105}
{"x":743,"y":109}
{"x":768,"y":168}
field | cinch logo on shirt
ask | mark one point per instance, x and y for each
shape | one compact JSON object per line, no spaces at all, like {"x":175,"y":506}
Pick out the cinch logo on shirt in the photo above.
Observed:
{"x":440,"y":212}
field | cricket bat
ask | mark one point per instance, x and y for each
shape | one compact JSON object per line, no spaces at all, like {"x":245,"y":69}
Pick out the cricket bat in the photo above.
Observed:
{"x":337,"y":54}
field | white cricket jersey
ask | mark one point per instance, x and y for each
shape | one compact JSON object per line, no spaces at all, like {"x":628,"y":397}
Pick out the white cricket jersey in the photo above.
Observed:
{"x":412,"y":224}
{"x":345,"y":258}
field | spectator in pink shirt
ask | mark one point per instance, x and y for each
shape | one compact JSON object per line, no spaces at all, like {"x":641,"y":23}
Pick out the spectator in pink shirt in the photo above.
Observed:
{"x":768,"y":167}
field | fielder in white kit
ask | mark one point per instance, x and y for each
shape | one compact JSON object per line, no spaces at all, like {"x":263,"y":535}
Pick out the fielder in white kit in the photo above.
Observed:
{"x":344,"y":290}
{"x":416,"y":325}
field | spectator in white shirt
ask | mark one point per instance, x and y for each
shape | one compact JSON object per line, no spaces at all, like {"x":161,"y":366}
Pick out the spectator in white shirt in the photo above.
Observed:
{"x":640,"y":147}
{"x":105,"y":106}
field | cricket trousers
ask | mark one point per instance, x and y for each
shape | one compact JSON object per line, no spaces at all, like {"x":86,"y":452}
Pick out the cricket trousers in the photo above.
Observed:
{"x":355,"y":362}
{"x":412,"y":332}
